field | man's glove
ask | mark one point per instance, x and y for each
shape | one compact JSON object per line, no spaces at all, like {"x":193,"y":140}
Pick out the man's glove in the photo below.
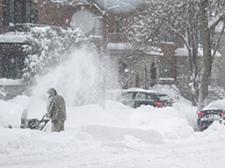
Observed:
{"x":47,"y":116}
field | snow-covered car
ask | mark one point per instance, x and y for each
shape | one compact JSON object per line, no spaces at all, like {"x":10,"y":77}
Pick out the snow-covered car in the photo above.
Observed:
{"x":215,"y":111}
{"x":137,"y":97}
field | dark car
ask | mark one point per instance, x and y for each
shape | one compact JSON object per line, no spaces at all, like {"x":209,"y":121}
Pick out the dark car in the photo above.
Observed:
{"x":215,"y":111}
{"x":137,"y":97}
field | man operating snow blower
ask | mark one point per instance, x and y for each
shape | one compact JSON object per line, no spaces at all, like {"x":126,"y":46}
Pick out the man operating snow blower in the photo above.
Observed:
{"x":56,"y":110}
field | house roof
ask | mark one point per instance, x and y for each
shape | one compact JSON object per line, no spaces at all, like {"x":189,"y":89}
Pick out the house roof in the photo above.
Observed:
{"x":153,"y":51}
{"x":183,"y":52}
{"x":119,"y":46}
{"x":70,"y":2}
{"x":13,"y":37}
{"x":112,"y":6}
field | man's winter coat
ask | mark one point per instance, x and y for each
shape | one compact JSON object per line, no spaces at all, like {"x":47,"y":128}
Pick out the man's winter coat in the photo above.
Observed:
{"x":56,"y":108}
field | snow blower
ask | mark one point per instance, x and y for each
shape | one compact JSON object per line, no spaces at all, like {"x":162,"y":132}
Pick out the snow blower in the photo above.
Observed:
{"x":33,"y":123}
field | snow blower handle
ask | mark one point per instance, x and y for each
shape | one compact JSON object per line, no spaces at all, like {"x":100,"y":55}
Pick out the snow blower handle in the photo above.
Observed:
{"x":45,"y":117}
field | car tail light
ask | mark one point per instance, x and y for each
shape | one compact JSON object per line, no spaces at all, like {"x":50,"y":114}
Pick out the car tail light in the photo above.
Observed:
{"x":222,"y":114}
{"x":201,"y":114}
{"x":158,"y":104}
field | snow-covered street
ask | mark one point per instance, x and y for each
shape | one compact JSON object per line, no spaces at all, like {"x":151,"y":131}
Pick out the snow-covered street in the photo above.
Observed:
{"x":192,"y":153}
{"x":117,"y":136}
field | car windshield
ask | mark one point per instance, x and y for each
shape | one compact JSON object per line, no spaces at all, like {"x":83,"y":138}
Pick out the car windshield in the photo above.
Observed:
{"x":163,"y":97}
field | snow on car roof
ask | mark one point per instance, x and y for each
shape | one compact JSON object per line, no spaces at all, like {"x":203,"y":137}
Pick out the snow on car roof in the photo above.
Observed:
{"x":218,"y":104}
{"x":141,"y":90}
{"x":120,"y":91}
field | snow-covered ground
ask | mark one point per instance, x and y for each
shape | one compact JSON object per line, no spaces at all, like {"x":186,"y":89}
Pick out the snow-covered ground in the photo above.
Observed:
{"x":117,"y":136}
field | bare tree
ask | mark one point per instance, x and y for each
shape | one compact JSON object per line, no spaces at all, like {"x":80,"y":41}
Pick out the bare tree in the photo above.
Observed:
{"x":192,"y":21}
{"x":176,"y":18}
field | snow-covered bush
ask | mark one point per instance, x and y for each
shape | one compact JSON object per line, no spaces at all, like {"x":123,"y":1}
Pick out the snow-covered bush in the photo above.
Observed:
{"x":48,"y":46}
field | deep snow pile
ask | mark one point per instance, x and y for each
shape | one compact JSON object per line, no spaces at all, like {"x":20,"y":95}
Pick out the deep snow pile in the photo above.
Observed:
{"x":90,"y":124}
{"x":164,"y":123}
{"x":10,"y":113}
{"x":91,"y":127}
{"x":115,"y":121}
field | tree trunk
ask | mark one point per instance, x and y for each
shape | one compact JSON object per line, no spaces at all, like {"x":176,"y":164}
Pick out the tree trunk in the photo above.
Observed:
{"x":192,"y":37}
{"x":207,"y":56}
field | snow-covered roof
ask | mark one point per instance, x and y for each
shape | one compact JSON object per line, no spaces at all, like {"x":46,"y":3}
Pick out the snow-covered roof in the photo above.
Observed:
{"x":168,"y":42}
{"x":13,"y":37}
{"x":4,"y":82}
{"x":114,"y":6}
{"x":183,"y":52}
{"x":119,"y":46}
{"x":67,"y":1}
{"x":166,"y":79}
{"x":128,"y":46}
{"x":153,"y":51}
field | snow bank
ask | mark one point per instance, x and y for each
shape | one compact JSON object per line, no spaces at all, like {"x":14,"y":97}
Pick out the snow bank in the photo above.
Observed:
{"x":181,"y":105}
{"x":23,"y":141}
{"x":168,"y":123}
{"x":163,"y":120}
{"x":91,"y":126}
{"x":215,"y":133}
{"x":10,"y":114}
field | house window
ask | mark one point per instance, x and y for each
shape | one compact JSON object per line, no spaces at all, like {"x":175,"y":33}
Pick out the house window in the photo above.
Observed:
{"x":137,"y":80}
{"x":117,"y":27}
{"x":123,"y":75}
{"x":166,"y":70}
{"x":19,"y":11}
{"x":7,"y":17}
{"x":11,"y":61}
